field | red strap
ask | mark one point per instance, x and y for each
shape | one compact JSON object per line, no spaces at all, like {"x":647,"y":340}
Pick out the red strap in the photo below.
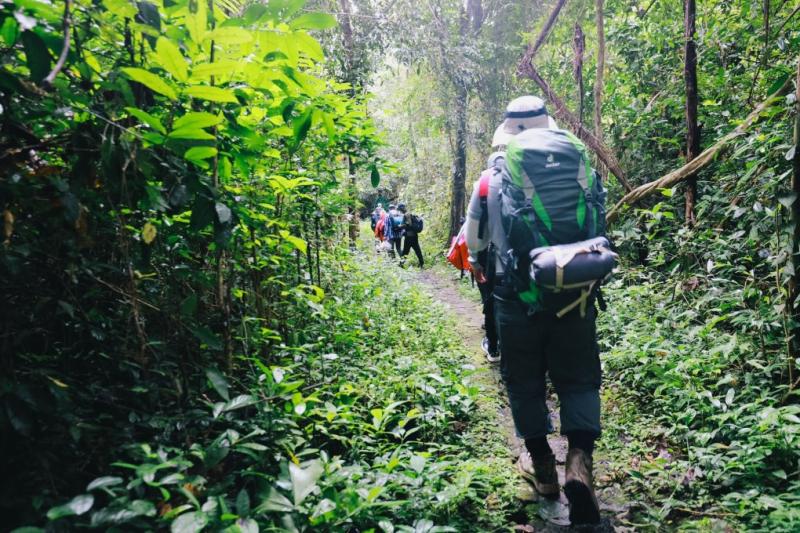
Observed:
{"x":483,"y":185}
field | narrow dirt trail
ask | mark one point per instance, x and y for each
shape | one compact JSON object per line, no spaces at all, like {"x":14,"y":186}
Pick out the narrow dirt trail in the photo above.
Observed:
{"x":549,"y":516}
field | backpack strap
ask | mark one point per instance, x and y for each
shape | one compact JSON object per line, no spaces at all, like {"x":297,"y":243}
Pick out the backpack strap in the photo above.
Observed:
{"x":586,"y":177}
{"x":483,"y":194}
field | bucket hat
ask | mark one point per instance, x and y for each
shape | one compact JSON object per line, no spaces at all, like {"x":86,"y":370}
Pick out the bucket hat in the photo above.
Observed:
{"x":524,"y":113}
{"x":492,"y":161}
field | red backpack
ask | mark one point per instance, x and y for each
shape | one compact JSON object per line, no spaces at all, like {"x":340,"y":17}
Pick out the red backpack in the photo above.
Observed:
{"x":458,"y":255}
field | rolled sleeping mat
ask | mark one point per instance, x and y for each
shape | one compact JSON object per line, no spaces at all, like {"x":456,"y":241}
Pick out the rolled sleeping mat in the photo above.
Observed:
{"x":572,"y":266}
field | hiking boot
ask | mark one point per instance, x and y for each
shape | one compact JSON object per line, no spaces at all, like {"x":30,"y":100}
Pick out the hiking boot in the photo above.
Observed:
{"x":491,"y":355}
{"x":541,"y":473}
{"x":583,"y":507}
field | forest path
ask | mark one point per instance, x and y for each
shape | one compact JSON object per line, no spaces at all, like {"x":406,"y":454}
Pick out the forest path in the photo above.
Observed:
{"x":542,"y":515}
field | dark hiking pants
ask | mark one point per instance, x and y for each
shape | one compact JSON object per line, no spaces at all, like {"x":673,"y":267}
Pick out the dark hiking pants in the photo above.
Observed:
{"x":412,"y":241}
{"x":489,"y":322}
{"x":566,"y":349}
{"x":396,"y":247}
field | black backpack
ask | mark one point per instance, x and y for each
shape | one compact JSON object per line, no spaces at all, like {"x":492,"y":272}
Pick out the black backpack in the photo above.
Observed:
{"x":416,"y":223}
{"x":550,"y":196}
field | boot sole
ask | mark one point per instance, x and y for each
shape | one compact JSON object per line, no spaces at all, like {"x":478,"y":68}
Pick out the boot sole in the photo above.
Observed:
{"x":582,"y":509}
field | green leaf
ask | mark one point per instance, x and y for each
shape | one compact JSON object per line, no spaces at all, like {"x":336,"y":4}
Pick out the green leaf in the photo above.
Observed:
{"x":149,"y":233}
{"x":202,"y":212}
{"x":151,"y":81}
{"x":223,"y":213}
{"x":285,"y":8}
{"x":75,"y":507}
{"x":243,"y":400}
{"x":206,"y":336}
{"x":192,"y":134}
{"x":189,"y":305}
{"x":226,"y":35}
{"x":197,"y":22}
{"x":197,"y":120}
{"x":103,"y":482}
{"x":309,"y":46}
{"x":243,"y":503}
{"x":170,"y":57}
{"x":417,"y":463}
{"x":189,"y":522}
{"x":198,"y":153}
{"x":313,"y":21}
{"x":219,"y":383}
{"x":246,"y":525}
{"x":296,"y":242}
{"x":146,"y":118}
{"x":375,"y":176}
{"x":212,"y":94}
{"x":220,"y":69}
{"x":300,"y":127}
{"x":9,"y":31}
{"x":777,"y":84}
{"x":304,"y":480}
{"x":116,"y":515}
{"x":275,"y":502}
{"x":36,"y":56}
{"x":120,"y":8}
{"x":148,"y":14}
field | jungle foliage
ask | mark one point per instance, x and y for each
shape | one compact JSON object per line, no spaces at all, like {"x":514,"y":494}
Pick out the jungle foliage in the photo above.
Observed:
{"x":186,"y":342}
{"x":168,"y":199}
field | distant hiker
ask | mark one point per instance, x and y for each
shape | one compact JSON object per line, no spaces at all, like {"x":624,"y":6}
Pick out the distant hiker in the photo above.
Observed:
{"x":413,"y":225}
{"x":546,"y":325}
{"x":478,"y":238}
{"x":393,"y":230}
{"x":376,"y":215}
{"x":379,"y":230}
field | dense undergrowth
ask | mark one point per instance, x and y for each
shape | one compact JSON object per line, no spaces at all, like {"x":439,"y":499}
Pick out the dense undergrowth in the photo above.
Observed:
{"x":698,"y":337}
{"x":373,"y":423}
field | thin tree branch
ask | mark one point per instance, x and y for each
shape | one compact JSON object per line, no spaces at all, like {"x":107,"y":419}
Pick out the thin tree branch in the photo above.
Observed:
{"x":563,"y":114}
{"x":787,"y":19}
{"x":706,"y":157}
{"x":526,"y":69}
{"x":548,"y":26}
{"x":62,"y":58}
{"x":764,"y":52}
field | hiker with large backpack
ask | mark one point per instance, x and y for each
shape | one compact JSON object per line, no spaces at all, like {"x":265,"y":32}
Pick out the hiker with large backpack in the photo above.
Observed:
{"x":393,"y":230}
{"x":481,"y":252}
{"x":376,"y":216}
{"x":547,"y":231}
{"x":413,"y":225}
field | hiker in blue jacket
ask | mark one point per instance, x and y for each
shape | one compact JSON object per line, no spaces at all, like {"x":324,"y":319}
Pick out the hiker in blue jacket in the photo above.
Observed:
{"x":394,"y":230}
{"x":534,"y":341}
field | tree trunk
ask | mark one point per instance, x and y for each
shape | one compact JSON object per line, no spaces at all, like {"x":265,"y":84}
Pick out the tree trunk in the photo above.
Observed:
{"x":692,"y":130}
{"x":578,"y":47}
{"x":347,"y":34}
{"x":794,"y":283}
{"x":601,"y":66}
{"x":458,"y":199}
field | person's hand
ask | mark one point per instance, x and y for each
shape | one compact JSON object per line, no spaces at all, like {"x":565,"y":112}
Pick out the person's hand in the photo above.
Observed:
{"x":480,"y":277}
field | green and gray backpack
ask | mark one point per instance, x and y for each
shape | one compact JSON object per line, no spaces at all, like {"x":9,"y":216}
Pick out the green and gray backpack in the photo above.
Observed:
{"x":550,"y":196}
